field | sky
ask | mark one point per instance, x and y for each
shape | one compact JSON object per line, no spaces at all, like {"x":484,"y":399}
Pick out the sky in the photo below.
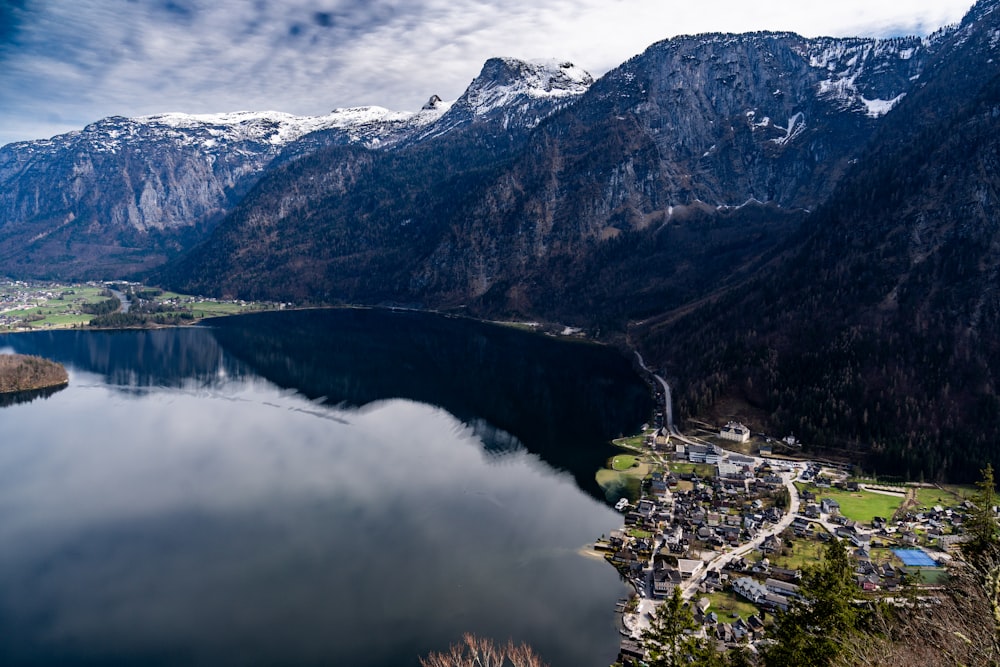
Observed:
{"x":65,"y":63}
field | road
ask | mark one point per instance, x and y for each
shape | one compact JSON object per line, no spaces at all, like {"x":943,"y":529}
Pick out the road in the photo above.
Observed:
{"x":668,"y":404}
{"x":720,"y":561}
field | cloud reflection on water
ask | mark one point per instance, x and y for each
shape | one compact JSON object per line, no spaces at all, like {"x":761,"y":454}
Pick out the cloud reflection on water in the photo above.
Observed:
{"x":244,"y":525}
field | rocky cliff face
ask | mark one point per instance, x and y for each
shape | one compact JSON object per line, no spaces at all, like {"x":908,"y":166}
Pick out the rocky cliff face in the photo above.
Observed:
{"x":125,"y":194}
{"x":759,"y":116}
{"x":564,"y":181}
{"x":693,"y":126}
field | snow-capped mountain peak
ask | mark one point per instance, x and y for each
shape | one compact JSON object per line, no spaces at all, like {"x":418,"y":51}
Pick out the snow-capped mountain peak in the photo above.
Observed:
{"x":503,"y":80}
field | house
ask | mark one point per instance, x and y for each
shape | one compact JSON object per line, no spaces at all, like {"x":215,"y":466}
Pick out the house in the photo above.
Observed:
{"x":625,"y":557}
{"x":689,"y":568}
{"x":868,"y":582}
{"x":829,"y":506}
{"x":697,"y":453}
{"x":786,"y":575}
{"x":645,"y":508}
{"x":775,"y":601}
{"x":665,"y":580}
{"x":781,"y":587}
{"x":631,"y":652}
{"x":741,"y":629}
{"x":658,"y":485}
{"x":771,"y":545}
{"x":844,"y":532}
{"x":750,"y":589}
{"x":730,"y":470}
{"x":735,"y":431}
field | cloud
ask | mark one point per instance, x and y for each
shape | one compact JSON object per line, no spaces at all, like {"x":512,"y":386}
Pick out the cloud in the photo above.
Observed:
{"x":67,"y":64}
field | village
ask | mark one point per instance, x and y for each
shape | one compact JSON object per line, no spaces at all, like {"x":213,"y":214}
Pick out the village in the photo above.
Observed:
{"x":732,"y":525}
{"x":36,"y":305}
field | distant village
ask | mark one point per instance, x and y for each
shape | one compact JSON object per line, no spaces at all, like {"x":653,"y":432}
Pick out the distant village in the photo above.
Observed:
{"x":32,"y":305}
{"x":733,"y":530}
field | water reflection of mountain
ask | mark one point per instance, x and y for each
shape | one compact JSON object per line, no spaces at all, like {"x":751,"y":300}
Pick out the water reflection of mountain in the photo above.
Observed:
{"x":132,"y":359}
{"x":562,"y":400}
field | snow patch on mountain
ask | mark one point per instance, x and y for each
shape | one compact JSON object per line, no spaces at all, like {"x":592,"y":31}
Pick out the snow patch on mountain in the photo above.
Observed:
{"x":860,"y":72}
{"x":279,"y":129}
{"x":504,"y":81}
{"x":796,"y":126}
{"x":879,"y":108}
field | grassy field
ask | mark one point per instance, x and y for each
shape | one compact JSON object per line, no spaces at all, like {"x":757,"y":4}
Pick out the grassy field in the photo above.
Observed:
{"x":212,"y":309}
{"x":61,"y":321}
{"x":631,"y":442}
{"x":934,"y":576}
{"x":623,"y":462}
{"x":948,"y":497}
{"x":727,"y":604}
{"x":700,"y":469}
{"x":801,"y":553}
{"x":860,"y":505}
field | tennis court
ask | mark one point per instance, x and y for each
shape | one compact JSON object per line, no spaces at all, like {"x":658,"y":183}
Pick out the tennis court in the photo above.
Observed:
{"x":914,"y":558}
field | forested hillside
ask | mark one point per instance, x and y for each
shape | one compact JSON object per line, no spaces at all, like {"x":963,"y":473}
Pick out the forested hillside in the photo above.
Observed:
{"x":875,"y":332}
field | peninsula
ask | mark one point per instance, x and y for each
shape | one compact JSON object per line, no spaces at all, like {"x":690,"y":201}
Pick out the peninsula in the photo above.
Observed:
{"x":20,"y":372}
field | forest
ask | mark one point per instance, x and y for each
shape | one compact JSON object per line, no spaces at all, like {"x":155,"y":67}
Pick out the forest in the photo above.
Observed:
{"x":20,"y":373}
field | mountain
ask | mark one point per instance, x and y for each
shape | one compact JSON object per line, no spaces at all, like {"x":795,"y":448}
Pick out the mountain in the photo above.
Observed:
{"x":125,"y":194}
{"x":511,"y":97}
{"x":801,"y":232}
{"x":707,"y":146}
{"x":873,"y":332}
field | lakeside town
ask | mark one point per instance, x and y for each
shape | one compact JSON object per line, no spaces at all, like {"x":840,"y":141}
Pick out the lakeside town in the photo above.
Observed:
{"x":39,"y":305}
{"x":731,"y":519}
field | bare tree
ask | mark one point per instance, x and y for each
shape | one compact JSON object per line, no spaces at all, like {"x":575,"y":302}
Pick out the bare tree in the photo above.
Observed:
{"x":475,"y":651}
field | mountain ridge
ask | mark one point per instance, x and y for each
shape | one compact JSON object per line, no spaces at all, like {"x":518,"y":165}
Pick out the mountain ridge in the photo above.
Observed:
{"x":123,"y":195}
{"x":811,"y":220}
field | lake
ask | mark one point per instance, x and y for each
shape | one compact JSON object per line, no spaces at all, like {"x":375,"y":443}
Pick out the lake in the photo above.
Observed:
{"x":332,"y":487}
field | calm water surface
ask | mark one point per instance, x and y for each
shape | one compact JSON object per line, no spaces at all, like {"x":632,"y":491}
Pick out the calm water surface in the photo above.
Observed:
{"x":319,"y":488}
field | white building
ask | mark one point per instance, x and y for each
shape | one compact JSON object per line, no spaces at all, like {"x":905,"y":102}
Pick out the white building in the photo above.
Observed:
{"x":735,"y":431}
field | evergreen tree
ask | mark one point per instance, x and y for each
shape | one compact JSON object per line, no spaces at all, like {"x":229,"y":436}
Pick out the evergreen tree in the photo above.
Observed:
{"x":983,"y":543}
{"x":668,"y":640}
{"x":813,"y":630}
